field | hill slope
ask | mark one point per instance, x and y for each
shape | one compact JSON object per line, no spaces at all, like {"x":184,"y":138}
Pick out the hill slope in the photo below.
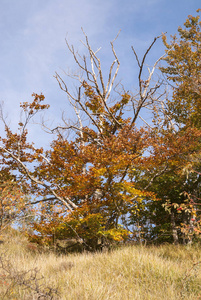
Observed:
{"x":135,"y":272}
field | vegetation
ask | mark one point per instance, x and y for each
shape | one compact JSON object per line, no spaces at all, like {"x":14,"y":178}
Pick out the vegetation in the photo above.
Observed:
{"x":130,"y":272}
{"x":105,"y":179}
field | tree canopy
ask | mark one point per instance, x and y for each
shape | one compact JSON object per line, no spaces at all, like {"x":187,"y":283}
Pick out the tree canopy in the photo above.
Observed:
{"x":103,"y":178}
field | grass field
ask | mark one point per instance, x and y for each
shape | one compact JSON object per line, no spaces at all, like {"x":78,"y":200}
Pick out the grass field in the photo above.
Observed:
{"x":134,"y":272}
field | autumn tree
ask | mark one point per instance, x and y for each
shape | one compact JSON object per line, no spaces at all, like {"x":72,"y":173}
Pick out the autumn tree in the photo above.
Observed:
{"x":103,"y":178}
{"x":183,"y":73}
{"x":178,"y":137}
{"x":12,"y":201}
{"x":86,"y":186}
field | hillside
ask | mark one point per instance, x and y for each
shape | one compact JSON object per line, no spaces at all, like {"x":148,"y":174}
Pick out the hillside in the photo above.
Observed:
{"x":134,"y":272}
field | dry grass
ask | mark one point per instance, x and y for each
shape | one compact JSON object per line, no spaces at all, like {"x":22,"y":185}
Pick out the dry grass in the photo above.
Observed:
{"x":164,"y":272}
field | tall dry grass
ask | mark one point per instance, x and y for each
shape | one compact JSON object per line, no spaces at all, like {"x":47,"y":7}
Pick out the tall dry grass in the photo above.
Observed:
{"x":135,"y":272}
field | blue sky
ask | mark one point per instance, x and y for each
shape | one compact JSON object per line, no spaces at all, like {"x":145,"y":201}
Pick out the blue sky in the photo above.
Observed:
{"x":33,"y":33}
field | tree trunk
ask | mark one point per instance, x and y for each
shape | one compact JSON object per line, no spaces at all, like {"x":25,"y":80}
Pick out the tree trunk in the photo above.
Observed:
{"x":174,"y":229}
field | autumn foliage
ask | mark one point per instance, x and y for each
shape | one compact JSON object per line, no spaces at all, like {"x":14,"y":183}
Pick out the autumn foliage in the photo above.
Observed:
{"x":112,"y":180}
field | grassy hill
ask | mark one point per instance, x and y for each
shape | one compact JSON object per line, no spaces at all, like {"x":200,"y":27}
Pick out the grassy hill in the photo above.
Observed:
{"x":134,"y":272}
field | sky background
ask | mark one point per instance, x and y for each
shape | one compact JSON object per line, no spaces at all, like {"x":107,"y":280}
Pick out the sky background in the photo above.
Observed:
{"x":33,"y":33}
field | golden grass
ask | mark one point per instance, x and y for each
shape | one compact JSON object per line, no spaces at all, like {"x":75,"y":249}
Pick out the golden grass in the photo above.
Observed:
{"x":135,"y":272}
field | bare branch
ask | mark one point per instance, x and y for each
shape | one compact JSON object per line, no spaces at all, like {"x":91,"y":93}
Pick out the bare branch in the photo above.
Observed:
{"x":136,"y":56}
{"x":44,"y":200}
{"x":155,"y":176}
{"x":67,"y":202}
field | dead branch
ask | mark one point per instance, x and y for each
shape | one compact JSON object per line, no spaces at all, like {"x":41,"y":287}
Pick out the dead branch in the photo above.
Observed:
{"x":67,"y":202}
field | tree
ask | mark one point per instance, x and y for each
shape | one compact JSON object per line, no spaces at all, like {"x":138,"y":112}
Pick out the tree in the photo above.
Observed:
{"x":179,"y":187}
{"x":103,"y":178}
{"x":86,"y":185}
{"x":183,"y":69}
{"x":12,"y":202}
